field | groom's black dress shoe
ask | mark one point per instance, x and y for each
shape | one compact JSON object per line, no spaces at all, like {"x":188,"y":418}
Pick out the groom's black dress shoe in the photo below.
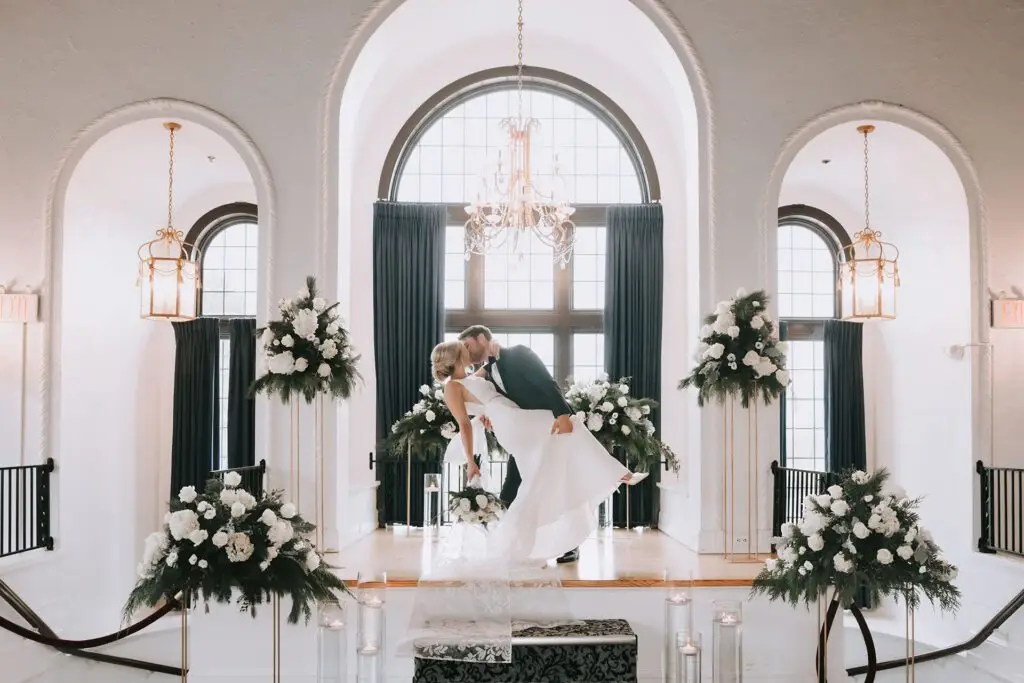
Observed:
{"x":571,"y":556}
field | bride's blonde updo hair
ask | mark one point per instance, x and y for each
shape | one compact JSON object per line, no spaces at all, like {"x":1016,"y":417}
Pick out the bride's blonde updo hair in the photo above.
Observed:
{"x":444,"y":358}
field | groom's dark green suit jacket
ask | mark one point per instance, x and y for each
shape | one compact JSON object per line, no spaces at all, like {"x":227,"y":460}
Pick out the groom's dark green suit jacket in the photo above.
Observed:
{"x":528,"y":383}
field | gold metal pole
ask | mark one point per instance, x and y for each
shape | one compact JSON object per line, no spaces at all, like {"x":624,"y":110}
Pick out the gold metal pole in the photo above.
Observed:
{"x":627,"y":508}
{"x":755,"y":533}
{"x":293,"y":456}
{"x":408,"y":488}
{"x":725,"y":487}
{"x":184,"y":636}
{"x":318,"y":416}
{"x":732,"y":478}
{"x":276,"y":656}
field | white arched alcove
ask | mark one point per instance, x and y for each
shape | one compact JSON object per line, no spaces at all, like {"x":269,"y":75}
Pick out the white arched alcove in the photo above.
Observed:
{"x":108,"y":384}
{"x":926,"y":410}
{"x":377,"y":88}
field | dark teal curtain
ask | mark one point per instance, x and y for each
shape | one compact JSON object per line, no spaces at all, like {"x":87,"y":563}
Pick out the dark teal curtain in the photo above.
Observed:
{"x":408,"y":321}
{"x":241,"y":405}
{"x":844,"y":396}
{"x":632,"y":328}
{"x":195,"y":434}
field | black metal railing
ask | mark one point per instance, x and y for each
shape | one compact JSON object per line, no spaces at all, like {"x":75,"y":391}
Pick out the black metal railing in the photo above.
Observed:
{"x":1002,"y":510}
{"x":400,"y":500}
{"x":25,"y":508}
{"x":253,"y":477}
{"x":789,"y":489}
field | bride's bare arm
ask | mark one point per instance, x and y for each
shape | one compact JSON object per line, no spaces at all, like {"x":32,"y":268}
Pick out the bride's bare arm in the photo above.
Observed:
{"x":455,"y":398}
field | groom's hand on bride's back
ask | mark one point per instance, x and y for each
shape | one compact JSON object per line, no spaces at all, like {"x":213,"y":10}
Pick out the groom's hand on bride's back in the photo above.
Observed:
{"x":563,"y":425}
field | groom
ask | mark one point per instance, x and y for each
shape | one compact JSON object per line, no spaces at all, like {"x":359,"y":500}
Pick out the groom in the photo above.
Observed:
{"x":518,"y":373}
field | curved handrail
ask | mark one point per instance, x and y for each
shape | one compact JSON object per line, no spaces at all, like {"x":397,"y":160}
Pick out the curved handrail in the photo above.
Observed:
{"x":1000,"y":618}
{"x":47,"y":636}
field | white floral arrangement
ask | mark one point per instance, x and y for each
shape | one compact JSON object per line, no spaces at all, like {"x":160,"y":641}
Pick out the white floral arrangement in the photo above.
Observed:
{"x":426,"y":430}
{"x":307,"y":351}
{"x":620,"y":421}
{"x":475,"y":505}
{"x":857,"y":536}
{"x":739,"y":353}
{"x":225,"y":539}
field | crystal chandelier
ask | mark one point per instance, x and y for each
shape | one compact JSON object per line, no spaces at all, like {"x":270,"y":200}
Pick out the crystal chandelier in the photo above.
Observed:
{"x":514,"y":206}
{"x":168,"y":267}
{"x":869,"y":275}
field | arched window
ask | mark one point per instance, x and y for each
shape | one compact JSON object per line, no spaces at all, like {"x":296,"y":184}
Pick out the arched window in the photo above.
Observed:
{"x":455,"y":138}
{"x":228,"y":240}
{"x":809,"y":247}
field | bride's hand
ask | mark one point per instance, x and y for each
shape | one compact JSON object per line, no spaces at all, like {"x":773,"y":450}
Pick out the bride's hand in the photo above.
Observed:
{"x":472,"y":470}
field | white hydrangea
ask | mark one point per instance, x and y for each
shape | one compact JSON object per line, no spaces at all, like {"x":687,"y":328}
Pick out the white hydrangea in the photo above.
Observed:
{"x":232,"y":479}
{"x":860,"y":477}
{"x":281,"y":532}
{"x":182,"y":523}
{"x":288,"y":510}
{"x":187,"y":494}
{"x":840,"y":508}
{"x":281,"y":363}
{"x":835,"y":491}
{"x":198,"y":536}
{"x":305,"y":323}
{"x":715,"y":351}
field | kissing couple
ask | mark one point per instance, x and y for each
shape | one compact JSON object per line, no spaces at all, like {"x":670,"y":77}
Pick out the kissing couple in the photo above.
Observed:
{"x":558,"y":472}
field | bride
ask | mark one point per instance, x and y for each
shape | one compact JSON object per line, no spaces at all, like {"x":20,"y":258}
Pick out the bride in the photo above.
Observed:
{"x":490,"y":582}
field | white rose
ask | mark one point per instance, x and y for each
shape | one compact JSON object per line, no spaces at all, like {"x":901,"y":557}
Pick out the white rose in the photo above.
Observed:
{"x":264,"y":565}
{"x":757,"y":322}
{"x":633,"y":414}
{"x":783,"y":377}
{"x":237,"y":509}
{"x":723,"y":307}
{"x":607,"y":407}
{"x":465,"y":505}
{"x":449,"y":430}
{"x":210,"y":514}
{"x":172,"y":558}
{"x":842,"y":564}
{"x":782,"y":347}
{"x":808,"y":566}
{"x":815,"y":542}
{"x":239,"y":547}
{"x":333,"y":327}
{"x":288,"y":510}
{"x":861,"y":531}
{"x":732,"y":331}
{"x":305,"y":323}
{"x":193,"y":559}
{"x":329,"y":349}
{"x":268,"y":517}
{"x":267,"y":337}
{"x":859,"y":477}
{"x":439,"y":395}
{"x":231,"y":480}
{"x":824,"y":500}
{"x":182,"y":523}
{"x":905,"y":552}
{"x":281,"y":363}
{"x":425,"y":390}
{"x":715,"y":351}
{"x":788,"y":530}
{"x":198,"y":536}
{"x":287,"y":341}
{"x":301,"y":364}
{"x":868,"y":498}
{"x":626,"y":430}
{"x":430,"y":416}
{"x":840,"y":508}
{"x":324,"y":370}
{"x":187,"y":494}
{"x":595,"y":422}
{"x":319,"y":304}
{"x":755,"y":304}
{"x":884,"y":556}
{"x":751,"y":358}
{"x":835,"y":491}
{"x":706,"y":331}
{"x":312,"y":561}
{"x":910,"y":535}
{"x":280,"y":533}
{"x":481,"y":500}
{"x":622,"y":401}
{"x":272,"y":552}
{"x":220,"y":539}
{"x":203,"y":564}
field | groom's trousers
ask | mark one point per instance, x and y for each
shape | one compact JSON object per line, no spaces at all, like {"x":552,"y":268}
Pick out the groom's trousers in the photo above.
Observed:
{"x":510,"y":487}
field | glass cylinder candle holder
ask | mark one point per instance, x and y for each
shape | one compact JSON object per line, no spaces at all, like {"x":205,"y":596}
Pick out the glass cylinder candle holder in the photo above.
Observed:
{"x":331,"y":665}
{"x":678,"y":610}
{"x":431,"y":504}
{"x":688,"y":658}
{"x":727,"y":642}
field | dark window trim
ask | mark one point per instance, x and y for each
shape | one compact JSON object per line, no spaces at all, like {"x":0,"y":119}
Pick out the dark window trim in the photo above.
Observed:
{"x":810,"y":329}
{"x":206,"y":228}
{"x":500,"y":78}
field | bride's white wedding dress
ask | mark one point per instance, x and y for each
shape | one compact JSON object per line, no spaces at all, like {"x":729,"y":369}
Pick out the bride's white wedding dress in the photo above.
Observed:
{"x":565,"y":476}
{"x":484,"y":585}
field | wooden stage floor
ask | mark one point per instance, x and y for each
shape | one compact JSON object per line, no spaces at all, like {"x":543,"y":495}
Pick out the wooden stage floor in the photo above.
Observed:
{"x":622,"y":559}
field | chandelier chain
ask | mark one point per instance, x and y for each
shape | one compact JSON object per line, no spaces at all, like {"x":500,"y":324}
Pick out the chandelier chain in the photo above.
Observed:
{"x":170,"y":183}
{"x":867,"y":203}
{"x":519,"y":63}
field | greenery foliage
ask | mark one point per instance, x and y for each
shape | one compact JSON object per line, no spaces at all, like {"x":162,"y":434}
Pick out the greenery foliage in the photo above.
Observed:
{"x":740,"y":353}
{"x":621,"y":422}
{"x":428,"y":428}
{"x":225,"y":540}
{"x":307,"y":351}
{"x":858,"y":537}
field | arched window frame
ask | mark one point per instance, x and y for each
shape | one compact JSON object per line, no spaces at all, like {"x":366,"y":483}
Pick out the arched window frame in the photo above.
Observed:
{"x":810,"y":329}
{"x":201,"y":234}
{"x":562,"y":320}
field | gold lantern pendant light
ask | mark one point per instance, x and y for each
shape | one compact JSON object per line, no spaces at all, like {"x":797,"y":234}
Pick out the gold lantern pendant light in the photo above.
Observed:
{"x":869,"y":274}
{"x":516,"y":207}
{"x":168,"y":267}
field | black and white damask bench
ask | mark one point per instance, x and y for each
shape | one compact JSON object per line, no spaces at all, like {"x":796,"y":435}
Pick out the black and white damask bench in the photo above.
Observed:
{"x":592,"y":651}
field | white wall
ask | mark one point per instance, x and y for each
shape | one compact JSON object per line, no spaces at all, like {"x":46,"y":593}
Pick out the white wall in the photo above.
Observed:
{"x":769,"y":67}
